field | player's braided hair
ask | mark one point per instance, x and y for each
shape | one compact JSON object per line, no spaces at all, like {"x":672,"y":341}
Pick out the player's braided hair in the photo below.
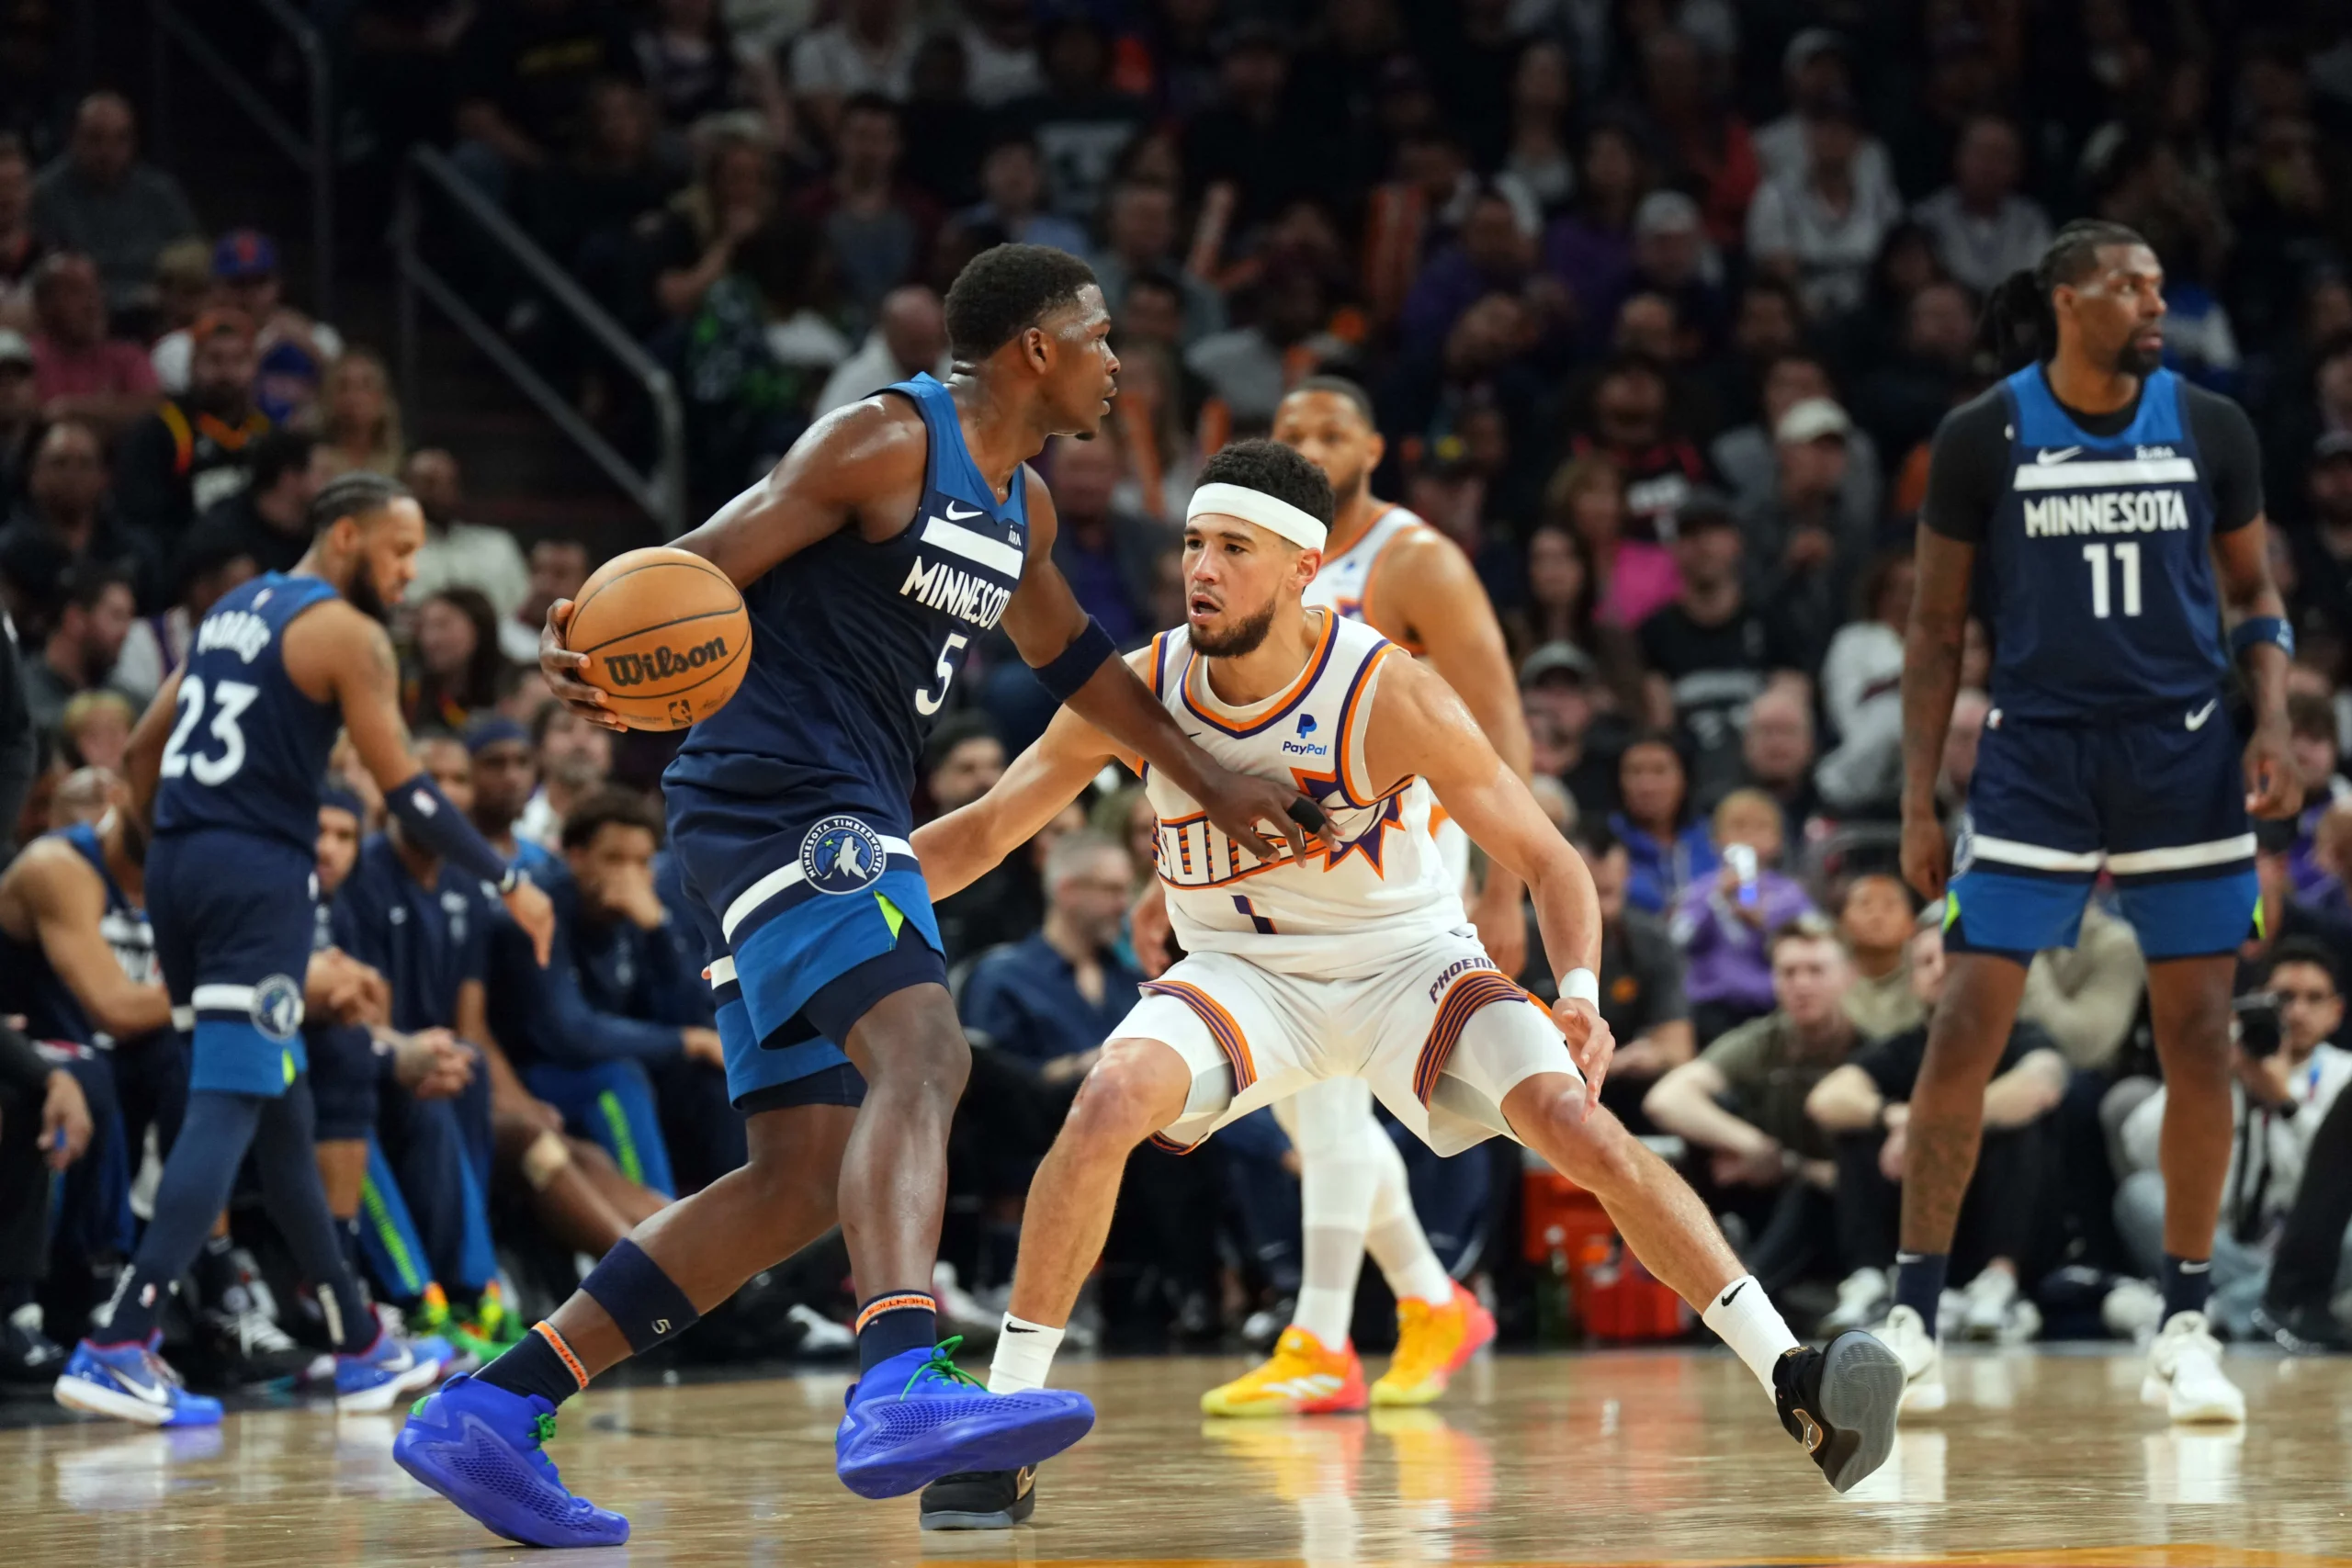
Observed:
{"x":1004,"y":291}
{"x":2017,"y":326}
{"x":353,"y":495}
{"x":1276,"y":470}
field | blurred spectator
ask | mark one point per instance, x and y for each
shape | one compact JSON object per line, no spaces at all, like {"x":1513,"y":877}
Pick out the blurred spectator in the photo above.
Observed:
{"x":1722,"y":930}
{"x":1000,"y":39}
{"x":1711,"y":652}
{"x":504,"y":777}
{"x":1930,"y":371}
{"x":1250,"y":369}
{"x":574,"y":758}
{"x":869,"y":48}
{"x":1642,"y":996}
{"x":1139,"y":235}
{"x":1632,"y":578}
{"x":101,"y":201}
{"x":80,"y":372}
{"x":1876,"y":923}
{"x":1540,"y":156}
{"x":2281,"y":916}
{"x":1591,"y":249}
{"x":194,"y":451}
{"x":1821,"y":230}
{"x":1496,"y":253}
{"x":947,"y":135}
{"x":269,"y":520}
{"x":1629,"y":420}
{"x":19,"y":415}
{"x":909,"y":339}
{"x":1252,"y":137}
{"x":1670,"y":850}
{"x":21,"y":245}
{"x":1776,"y":753}
{"x":1558,"y":605}
{"x":1049,"y":1000}
{"x":1984,"y":230}
{"x":1012,"y":192}
{"x":522,"y":78}
{"x":692,"y":244}
{"x":1559,"y":685}
{"x":293,"y":350}
{"x":1861,"y":690}
{"x":458,"y":554}
{"x":579,"y":208}
{"x":209,"y":563}
{"x":2087,"y":996}
{"x":2315,"y":745}
{"x":558,"y":568}
{"x":360,"y":427}
{"x":1708,"y":150}
{"x":876,"y":227}
{"x":455,"y":670}
{"x":1748,"y":457}
{"x":1672,"y":257}
{"x":1970,"y":709}
{"x":1805,"y":549}
{"x":961,"y":761}
{"x":95,"y":729}
{"x":1081,"y":122}
{"x":2323,"y":550}
{"x":65,"y":521}
{"x":80,"y":653}
{"x":688,"y":61}
{"x":1817,"y":76}
{"x":1108,"y":556}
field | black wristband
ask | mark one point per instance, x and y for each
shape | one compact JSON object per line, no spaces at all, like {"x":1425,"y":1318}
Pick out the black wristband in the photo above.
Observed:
{"x":1075,"y":665}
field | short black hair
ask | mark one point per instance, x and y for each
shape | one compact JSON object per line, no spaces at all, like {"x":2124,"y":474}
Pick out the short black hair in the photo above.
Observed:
{"x":606,"y":807}
{"x":871,"y":101}
{"x":953,"y":731}
{"x":1153,"y":277}
{"x":1594,"y":838}
{"x":84,"y":583}
{"x":1276,"y":470}
{"x":1341,"y":387}
{"x":353,"y":495}
{"x":1004,"y":291}
{"x":276,"y":454}
{"x":2301,"y":949}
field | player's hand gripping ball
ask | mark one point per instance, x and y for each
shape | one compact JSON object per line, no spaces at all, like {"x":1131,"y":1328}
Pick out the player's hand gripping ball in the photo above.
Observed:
{"x":664,"y":636}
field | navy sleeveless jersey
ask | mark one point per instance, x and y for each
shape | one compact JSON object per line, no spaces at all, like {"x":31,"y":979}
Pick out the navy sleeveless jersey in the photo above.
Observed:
{"x":248,"y":748}
{"x":2098,"y":559}
{"x":854,"y":644}
{"x":31,"y":988}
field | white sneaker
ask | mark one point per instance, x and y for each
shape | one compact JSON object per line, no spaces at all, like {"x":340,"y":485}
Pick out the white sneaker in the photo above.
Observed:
{"x":1860,"y":1299}
{"x":2021,"y":1324}
{"x":2184,"y":1376}
{"x":2133,"y":1309}
{"x":1923,"y":1361}
{"x":820,"y":1336}
{"x":958,"y":1313}
{"x":1989,"y":1296}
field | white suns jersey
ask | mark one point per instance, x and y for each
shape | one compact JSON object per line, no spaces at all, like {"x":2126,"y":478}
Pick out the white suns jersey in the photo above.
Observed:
{"x":1345,"y":579}
{"x":1336,"y":912}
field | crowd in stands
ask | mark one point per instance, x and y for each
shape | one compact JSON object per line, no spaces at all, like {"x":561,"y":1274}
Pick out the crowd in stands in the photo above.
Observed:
{"x":1657,"y":303}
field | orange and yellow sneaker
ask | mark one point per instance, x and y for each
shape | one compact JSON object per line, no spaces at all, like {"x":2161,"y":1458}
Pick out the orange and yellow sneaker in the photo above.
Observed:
{"x":1433,"y":1343}
{"x":1303,"y":1379}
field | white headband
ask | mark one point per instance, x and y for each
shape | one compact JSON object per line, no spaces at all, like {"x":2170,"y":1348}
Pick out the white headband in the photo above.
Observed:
{"x":1271,"y":512}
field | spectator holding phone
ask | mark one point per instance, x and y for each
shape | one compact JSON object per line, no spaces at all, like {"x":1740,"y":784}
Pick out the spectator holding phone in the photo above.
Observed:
{"x":1720,"y":924}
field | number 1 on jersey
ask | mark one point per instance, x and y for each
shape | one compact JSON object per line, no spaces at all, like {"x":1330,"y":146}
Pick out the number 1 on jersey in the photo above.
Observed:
{"x":929,"y":702}
{"x":2127,"y":565}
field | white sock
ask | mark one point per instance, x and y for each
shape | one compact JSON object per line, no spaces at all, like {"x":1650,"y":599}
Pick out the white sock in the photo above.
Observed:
{"x":1395,"y":1238}
{"x":1748,"y":1321}
{"x":1330,"y":1125}
{"x":1024,"y":1355}
{"x":1326,"y":1313}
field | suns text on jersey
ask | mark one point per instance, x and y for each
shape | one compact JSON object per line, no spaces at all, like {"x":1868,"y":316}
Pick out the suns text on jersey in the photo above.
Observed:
{"x":938,"y":586}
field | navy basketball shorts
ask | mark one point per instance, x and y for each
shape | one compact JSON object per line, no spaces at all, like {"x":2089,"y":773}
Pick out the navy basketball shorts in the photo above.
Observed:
{"x":234,"y":915}
{"x":2156,"y":801}
{"x":809,"y":917}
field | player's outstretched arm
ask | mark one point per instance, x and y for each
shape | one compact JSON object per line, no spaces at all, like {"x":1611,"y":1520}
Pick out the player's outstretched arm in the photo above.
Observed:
{"x":2262,"y":643}
{"x":862,"y":463}
{"x":960,"y":848}
{"x":1931,"y":649}
{"x":1419,"y":726}
{"x":1074,"y":658}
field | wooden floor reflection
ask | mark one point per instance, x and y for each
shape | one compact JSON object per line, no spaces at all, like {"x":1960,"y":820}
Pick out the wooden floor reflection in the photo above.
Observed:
{"x":2043,"y":1457}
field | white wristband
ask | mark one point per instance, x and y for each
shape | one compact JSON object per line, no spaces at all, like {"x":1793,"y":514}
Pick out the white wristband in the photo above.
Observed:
{"x":1580,"y":986}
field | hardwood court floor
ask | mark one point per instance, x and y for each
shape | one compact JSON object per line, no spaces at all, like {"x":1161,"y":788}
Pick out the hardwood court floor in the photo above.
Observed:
{"x":1667,"y":1457}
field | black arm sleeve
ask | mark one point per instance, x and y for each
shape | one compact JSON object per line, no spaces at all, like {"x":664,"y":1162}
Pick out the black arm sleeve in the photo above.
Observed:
{"x":2230,"y":456}
{"x":22,"y":1067}
{"x":1966,"y":467}
{"x":19,"y":747}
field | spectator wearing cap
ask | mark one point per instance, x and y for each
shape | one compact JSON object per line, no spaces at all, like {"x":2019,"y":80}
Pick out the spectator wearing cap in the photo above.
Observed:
{"x":183,"y":289}
{"x":1984,"y":230}
{"x":270,"y":519}
{"x":1495,"y":253}
{"x":1673,"y":256}
{"x":1748,"y":459}
{"x":1012,"y":201}
{"x":908,"y":338}
{"x":101,"y":201}
{"x":80,"y":370}
{"x":1806,"y":546}
{"x":1861,"y":690}
{"x":1139,"y":237}
{"x":66,"y":523}
{"x":458,"y":554}
{"x":21,"y":245}
{"x":20,"y":415}
{"x":1817,"y":71}
{"x":210,"y":562}
{"x":292,"y":350}
{"x":1560,"y":692}
{"x":191,"y":453}
{"x":1821,"y":229}
{"x":1082,"y":122}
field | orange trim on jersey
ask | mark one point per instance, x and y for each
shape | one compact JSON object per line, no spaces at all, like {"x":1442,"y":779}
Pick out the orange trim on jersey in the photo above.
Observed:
{"x":1348,"y":711}
{"x":1371,"y":574}
{"x":1159,"y":1142}
{"x":1478,"y":988}
{"x":549,"y":1332}
{"x":1438,"y":817}
{"x":1284,"y":704}
{"x":1221,"y":1026}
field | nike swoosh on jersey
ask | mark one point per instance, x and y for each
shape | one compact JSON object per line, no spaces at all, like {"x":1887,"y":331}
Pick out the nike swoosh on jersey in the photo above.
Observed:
{"x":2060,"y":455}
{"x":2197,"y":720}
{"x":955,"y":516}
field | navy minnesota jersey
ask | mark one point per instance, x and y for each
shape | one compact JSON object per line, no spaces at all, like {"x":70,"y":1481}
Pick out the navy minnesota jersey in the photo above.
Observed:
{"x":2099,"y":559}
{"x":247,"y":748}
{"x":854,"y":644}
{"x":30,"y":986}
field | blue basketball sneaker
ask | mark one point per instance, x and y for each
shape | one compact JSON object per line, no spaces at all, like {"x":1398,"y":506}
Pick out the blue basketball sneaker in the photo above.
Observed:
{"x":388,"y":1372}
{"x":131,"y":1383}
{"x":918,"y":1416}
{"x":478,"y":1446}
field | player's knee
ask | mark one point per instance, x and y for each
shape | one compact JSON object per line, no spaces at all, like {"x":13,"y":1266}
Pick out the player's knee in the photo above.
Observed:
{"x":1591,"y":1145}
{"x":932,"y":1058}
{"x":1115,"y":1107}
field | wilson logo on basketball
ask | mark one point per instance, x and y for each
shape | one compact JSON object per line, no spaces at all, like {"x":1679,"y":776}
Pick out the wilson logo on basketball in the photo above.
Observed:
{"x":637,"y":669}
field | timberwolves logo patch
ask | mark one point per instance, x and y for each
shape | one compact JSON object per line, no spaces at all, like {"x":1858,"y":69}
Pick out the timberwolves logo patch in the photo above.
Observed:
{"x":842,"y":854}
{"x":278,"y":1008}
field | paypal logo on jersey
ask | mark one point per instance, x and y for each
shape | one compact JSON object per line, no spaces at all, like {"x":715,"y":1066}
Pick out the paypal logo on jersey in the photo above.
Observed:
{"x":842,"y":854}
{"x":1302,"y":747}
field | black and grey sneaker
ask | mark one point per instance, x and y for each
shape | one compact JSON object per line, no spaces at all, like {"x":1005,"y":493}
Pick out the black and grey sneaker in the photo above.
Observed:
{"x":2301,"y":1330}
{"x":27,"y":1355}
{"x":1840,"y":1401}
{"x":981,"y":1500}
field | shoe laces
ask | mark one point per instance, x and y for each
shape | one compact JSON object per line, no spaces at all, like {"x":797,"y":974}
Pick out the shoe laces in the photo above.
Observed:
{"x":941,"y":1367}
{"x":1297,"y":1354}
{"x":1419,"y":1346}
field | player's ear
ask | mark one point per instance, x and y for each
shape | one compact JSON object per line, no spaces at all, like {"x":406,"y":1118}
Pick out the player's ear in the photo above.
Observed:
{"x":1375,"y":446}
{"x":1036,"y":347}
{"x":1309,"y":563}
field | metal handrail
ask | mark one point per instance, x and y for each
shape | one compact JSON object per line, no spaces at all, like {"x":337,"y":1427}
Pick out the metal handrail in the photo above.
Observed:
{"x":663,"y":493}
{"x":313,"y":153}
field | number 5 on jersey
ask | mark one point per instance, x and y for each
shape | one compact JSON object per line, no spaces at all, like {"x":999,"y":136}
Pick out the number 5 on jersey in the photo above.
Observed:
{"x":230,"y":699}
{"x":929,"y":702}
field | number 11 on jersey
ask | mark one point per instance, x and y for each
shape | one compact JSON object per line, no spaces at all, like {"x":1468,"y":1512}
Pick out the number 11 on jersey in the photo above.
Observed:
{"x":2127,"y":566}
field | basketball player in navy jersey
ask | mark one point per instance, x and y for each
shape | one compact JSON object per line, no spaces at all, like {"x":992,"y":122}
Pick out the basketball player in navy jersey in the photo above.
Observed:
{"x":228,"y":761}
{"x":2113,"y":514}
{"x":897,"y":531}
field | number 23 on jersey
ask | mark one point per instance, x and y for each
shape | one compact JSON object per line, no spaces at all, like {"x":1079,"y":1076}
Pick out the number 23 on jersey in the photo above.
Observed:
{"x":230,"y":699}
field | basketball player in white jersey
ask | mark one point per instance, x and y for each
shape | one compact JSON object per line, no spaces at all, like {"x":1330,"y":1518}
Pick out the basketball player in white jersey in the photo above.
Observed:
{"x":1354,"y":960}
{"x":1386,"y":567}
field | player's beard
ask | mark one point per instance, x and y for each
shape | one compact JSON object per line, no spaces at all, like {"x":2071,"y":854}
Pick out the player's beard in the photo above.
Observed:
{"x":2134,"y":360}
{"x":363,"y":595}
{"x":1238,"y":641}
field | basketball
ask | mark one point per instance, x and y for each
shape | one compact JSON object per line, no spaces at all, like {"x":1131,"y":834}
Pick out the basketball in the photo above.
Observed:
{"x":666,"y":637}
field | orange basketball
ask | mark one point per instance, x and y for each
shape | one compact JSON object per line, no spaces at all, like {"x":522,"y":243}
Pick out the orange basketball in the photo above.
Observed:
{"x":666,"y":636}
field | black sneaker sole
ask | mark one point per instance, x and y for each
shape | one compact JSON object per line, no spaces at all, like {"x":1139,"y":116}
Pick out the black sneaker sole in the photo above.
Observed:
{"x":1011,"y":1514}
{"x":1862,"y":1389}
